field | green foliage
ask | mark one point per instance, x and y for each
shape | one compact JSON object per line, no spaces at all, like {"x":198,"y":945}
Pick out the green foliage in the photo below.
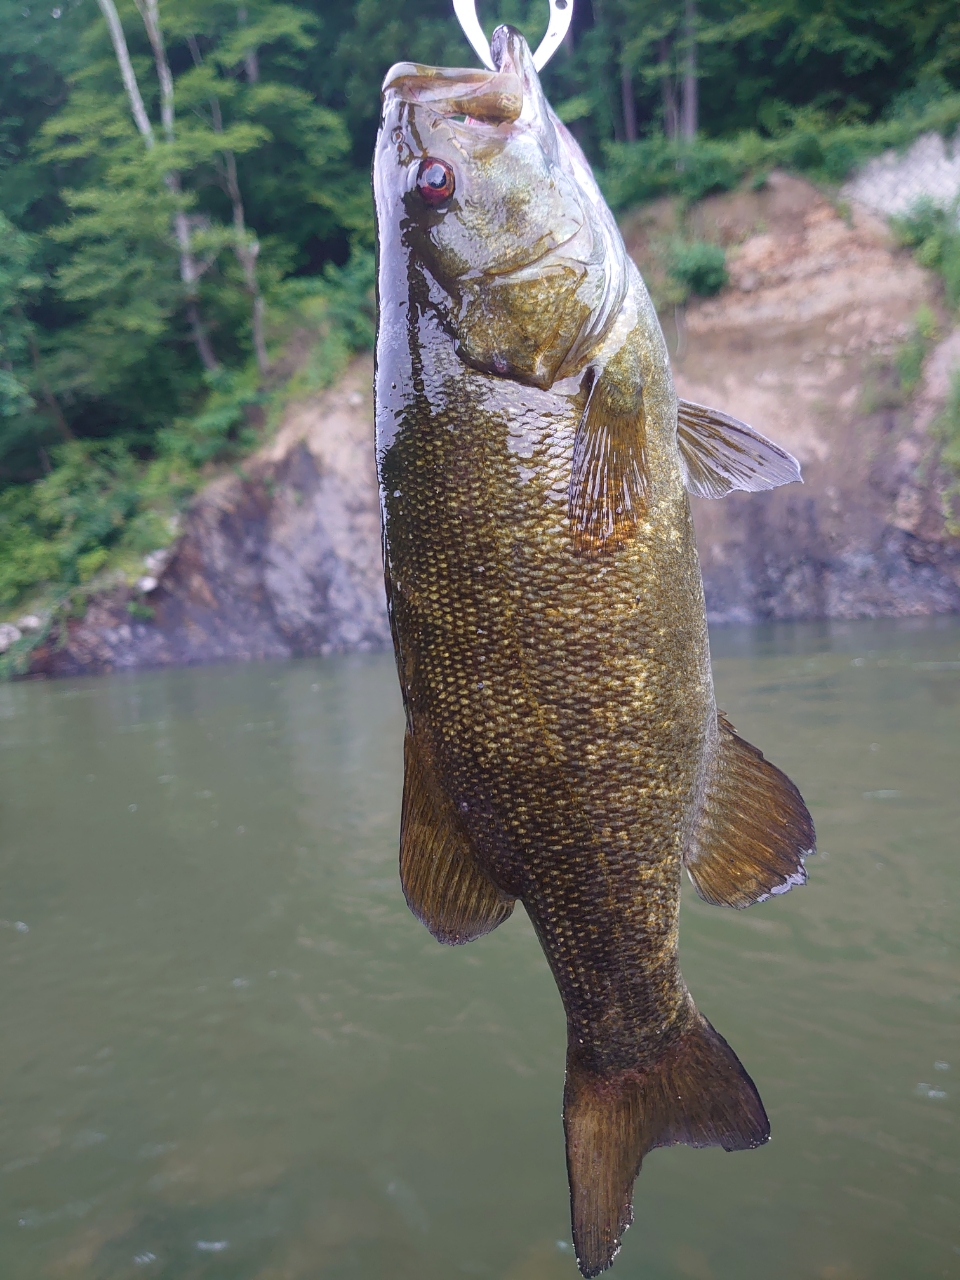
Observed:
{"x":61,"y":529}
{"x":221,"y":429}
{"x":27,"y":556}
{"x":934,"y":235}
{"x":17,"y":282}
{"x":808,"y":143}
{"x":137,"y":609}
{"x":948,"y":426}
{"x":336,"y":310}
{"x":909,"y":359}
{"x":102,"y":508}
{"x":88,"y":500}
{"x":697,"y":267}
{"x":142,"y":242}
{"x":763,"y":61}
{"x":122,"y":275}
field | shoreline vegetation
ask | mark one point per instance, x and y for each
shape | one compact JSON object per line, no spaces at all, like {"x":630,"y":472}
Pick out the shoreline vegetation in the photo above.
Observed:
{"x":186,"y":239}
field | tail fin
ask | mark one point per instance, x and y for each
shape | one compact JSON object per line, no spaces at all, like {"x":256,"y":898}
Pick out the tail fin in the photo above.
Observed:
{"x":698,"y":1094}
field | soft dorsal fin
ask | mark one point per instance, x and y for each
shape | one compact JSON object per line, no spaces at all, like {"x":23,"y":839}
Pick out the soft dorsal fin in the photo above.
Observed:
{"x":720,"y":453}
{"x":442,"y":883}
{"x":609,"y":481}
{"x":754,"y":830}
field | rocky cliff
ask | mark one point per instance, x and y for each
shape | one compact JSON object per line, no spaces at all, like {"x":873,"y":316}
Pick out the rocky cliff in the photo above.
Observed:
{"x":279,"y":557}
{"x":282,"y":557}
{"x":801,"y":345}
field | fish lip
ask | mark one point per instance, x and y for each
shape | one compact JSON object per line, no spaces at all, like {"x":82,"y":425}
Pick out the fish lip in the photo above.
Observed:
{"x":493,"y":96}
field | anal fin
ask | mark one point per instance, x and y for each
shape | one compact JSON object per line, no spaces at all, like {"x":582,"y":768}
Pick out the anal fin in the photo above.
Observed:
{"x":754,"y":829}
{"x":720,"y":454}
{"x":696,"y":1093}
{"x":442,"y":883}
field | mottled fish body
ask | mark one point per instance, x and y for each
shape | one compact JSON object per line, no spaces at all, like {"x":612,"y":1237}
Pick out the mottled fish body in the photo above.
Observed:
{"x":563,"y":745}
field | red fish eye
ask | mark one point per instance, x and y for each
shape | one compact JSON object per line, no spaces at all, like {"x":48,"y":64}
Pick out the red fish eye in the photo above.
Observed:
{"x":435,"y":181}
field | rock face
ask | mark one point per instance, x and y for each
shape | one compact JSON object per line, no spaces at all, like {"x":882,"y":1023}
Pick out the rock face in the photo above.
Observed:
{"x":800,"y":346}
{"x":278,"y":559}
{"x":283,"y":557}
{"x":896,"y":182}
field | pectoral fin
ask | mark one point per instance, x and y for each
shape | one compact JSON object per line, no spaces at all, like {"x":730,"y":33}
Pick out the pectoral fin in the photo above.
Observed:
{"x":720,"y":454}
{"x":754,"y":829}
{"x":442,"y":883}
{"x":609,"y":481}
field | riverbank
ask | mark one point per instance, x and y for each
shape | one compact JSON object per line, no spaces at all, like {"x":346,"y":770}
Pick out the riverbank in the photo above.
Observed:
{"x":807,"y":342}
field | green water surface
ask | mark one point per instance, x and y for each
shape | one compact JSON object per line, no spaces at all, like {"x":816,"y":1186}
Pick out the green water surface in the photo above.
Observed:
{"x":228,"y":1050}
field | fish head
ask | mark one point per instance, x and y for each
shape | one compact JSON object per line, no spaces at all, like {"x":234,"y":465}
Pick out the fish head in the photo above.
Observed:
{"x":491,"y":197}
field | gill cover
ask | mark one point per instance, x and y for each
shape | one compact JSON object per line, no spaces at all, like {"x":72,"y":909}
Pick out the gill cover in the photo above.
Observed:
{"x":530,"y":267}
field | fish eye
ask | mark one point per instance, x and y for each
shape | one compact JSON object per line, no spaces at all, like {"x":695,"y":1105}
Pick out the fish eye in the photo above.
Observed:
{"x":435,"y":181}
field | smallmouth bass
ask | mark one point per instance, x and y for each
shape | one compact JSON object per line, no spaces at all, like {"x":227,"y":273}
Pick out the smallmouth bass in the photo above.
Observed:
{"x":563,"y":747}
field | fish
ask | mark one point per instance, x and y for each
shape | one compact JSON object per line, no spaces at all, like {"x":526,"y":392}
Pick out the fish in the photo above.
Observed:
{"x":563,"y":747}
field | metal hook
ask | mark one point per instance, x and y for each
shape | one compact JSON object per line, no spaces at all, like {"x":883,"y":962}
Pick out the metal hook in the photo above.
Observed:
{"x":561,"y":11}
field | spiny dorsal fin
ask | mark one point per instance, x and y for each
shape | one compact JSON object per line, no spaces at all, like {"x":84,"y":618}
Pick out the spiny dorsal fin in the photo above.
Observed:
{"x":442,"y":883}
{"x":754,"y":830}
{"x":609,"y":482}
{"x":697,"y":1093}
{"x":720,"y":453}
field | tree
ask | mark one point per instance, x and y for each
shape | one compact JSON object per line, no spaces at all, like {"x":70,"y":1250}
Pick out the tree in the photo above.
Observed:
{"x":163,"y":193}
{"x":26,"y":400}
{"x":16,"y":282}
{"x":162,"y":233}
{"x":190,"y":269}
{"x":688,"y":110}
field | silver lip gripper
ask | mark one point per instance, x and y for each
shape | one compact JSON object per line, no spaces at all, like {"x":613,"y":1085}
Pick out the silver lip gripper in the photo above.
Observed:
{"x":561,"y":12}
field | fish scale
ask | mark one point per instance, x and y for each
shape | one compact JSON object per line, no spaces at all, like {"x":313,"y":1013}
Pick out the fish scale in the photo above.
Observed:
{"x":567,"y":674}
{"x":563,"y":747}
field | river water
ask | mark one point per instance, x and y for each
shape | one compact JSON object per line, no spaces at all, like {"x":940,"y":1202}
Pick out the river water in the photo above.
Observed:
{"x":228,"y":1050}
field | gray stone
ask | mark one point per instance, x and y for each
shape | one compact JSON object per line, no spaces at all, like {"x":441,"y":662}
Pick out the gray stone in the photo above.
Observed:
{"x":9,"y":634}
{"x":896,"y":182}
